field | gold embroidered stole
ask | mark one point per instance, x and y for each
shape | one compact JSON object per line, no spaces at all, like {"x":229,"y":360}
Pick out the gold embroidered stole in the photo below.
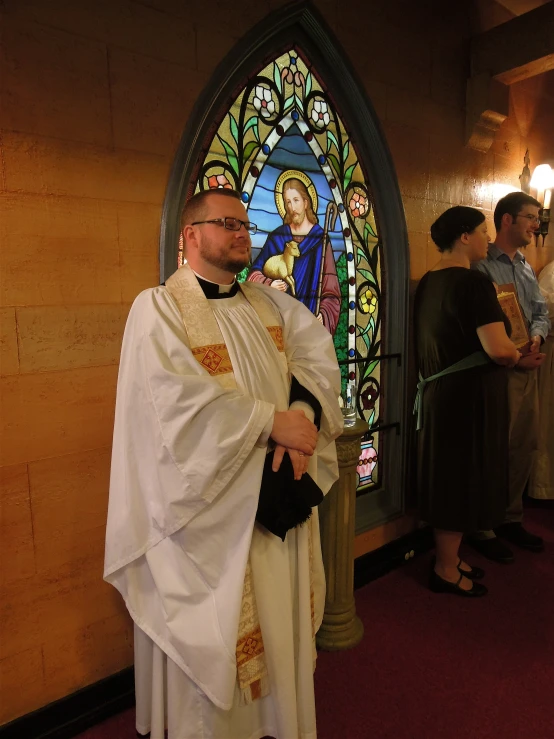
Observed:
{"x":209,"y":350}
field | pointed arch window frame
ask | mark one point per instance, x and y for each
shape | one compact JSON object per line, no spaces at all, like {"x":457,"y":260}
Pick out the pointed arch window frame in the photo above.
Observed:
{"x":301,"y":25}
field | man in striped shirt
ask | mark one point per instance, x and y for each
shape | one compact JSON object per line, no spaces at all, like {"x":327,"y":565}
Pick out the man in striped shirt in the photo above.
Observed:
{"x":516,"y":218}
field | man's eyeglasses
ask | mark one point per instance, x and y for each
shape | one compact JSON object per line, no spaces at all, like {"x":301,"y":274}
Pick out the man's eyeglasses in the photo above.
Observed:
{"x":532,"y":219}
{"x":231,"y":224}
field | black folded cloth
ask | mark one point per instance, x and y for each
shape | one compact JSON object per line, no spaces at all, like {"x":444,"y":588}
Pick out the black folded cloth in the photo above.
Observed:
{"x":285,"y":502}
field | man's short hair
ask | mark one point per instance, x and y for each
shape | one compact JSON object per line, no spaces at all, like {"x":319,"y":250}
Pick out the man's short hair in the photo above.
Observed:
{"x":195,"y":209}
{"x":512,"y":204}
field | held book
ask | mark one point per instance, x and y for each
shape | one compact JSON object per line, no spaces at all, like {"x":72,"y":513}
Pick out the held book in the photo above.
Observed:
{"x":284,"y":502}
{"x":507,"y":297}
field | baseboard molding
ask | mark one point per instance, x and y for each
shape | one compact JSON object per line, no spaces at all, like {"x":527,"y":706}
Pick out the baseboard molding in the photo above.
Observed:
{"x":375,"y":564}
{"x":77,"y":712}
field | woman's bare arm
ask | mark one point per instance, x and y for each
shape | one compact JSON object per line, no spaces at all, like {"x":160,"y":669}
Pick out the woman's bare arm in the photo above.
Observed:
{"x":497,"y":344}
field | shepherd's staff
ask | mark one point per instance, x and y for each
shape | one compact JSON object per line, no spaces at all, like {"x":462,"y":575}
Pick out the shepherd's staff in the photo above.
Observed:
{"x":331,"y":213}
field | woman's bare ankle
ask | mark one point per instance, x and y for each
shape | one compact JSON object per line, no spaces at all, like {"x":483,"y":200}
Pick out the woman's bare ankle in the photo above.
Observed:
{"x":447,"y":571}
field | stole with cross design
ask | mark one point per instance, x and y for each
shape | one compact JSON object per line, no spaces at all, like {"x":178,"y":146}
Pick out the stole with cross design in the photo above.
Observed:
{"x":209,"y":350}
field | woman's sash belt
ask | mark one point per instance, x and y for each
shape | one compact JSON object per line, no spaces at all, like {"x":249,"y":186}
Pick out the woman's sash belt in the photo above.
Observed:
{"x":472,"y":360}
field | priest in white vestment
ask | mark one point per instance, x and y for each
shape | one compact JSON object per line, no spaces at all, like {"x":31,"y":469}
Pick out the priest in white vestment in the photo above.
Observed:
{"x":213,"y":375}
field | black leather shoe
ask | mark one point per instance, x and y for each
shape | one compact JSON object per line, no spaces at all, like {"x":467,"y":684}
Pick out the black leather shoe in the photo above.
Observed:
{"x":492,"y":549}
{"x":438,"y":585}
{"x":475,"y":573}
{"x":516,"y":534}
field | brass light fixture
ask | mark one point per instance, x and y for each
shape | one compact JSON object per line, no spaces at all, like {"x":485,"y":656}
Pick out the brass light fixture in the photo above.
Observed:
{"x":543,"y":181}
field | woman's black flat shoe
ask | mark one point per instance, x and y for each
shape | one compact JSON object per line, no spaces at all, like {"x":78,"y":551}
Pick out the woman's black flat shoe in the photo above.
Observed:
{"x":476,"y":573}
{"x":438,"y":585}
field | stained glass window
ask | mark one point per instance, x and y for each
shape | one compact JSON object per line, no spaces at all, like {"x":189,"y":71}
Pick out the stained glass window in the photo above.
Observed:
{"x":284,"y":146}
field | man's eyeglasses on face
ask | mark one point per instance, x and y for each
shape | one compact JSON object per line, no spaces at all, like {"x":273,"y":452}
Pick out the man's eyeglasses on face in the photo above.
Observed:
{"x":532,"y":219}
{"x":231,"y":224}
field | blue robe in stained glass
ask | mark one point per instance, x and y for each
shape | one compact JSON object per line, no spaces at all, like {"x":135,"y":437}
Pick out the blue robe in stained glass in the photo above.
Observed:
{"x":307,"y":267}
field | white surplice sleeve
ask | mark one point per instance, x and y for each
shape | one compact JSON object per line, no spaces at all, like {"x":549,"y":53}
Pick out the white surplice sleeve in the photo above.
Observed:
{"x":179,"y":436}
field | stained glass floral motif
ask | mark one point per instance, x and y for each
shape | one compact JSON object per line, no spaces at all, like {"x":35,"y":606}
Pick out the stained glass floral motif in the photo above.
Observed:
{"x":368,"y":301}
{"x":283,"y":145}
{"x":358,"y":205}
{"x":219,"y":180}
{"x":263,"y":101}
{"x":320,"y":114}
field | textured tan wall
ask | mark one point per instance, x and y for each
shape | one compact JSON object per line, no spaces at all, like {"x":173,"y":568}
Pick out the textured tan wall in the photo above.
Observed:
{"x":95,"y":95}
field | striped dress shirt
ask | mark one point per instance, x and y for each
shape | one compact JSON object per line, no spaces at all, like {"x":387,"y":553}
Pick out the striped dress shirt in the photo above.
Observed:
{"x":501,"y":269}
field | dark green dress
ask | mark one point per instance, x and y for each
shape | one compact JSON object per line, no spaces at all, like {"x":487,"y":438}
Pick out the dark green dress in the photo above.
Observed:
{"x":463,"y":445}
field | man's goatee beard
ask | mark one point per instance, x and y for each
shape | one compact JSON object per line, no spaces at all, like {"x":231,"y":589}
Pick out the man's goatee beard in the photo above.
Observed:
{"x":227,"y":264}
{"x":237,"y":267}
{"x":232,"y":265}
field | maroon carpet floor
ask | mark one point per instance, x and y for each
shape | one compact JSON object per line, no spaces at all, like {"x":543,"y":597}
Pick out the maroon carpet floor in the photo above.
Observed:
{"x":438,"y":666}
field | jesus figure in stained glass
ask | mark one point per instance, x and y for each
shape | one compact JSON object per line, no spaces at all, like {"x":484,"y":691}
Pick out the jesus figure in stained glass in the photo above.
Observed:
{"x":297,"y":257}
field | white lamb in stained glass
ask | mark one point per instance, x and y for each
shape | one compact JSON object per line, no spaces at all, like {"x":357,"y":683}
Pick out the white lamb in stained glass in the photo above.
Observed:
{"x":280,"y":267}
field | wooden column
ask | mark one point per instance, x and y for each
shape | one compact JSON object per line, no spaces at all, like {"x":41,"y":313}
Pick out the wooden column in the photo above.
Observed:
{"x":341,"y":628}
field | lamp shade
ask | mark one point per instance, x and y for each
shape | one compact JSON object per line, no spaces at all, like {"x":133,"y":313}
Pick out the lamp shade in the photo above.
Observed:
{"x":543,"y":177}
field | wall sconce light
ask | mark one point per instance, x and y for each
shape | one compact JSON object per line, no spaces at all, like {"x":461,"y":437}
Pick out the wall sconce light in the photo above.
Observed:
{"x":543,"y":181}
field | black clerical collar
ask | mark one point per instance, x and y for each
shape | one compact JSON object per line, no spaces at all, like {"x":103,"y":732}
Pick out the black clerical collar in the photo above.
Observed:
{"x":211,"y":289}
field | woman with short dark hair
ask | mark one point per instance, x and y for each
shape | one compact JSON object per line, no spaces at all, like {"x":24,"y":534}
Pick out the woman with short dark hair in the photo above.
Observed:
{"x":463,"y":350}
